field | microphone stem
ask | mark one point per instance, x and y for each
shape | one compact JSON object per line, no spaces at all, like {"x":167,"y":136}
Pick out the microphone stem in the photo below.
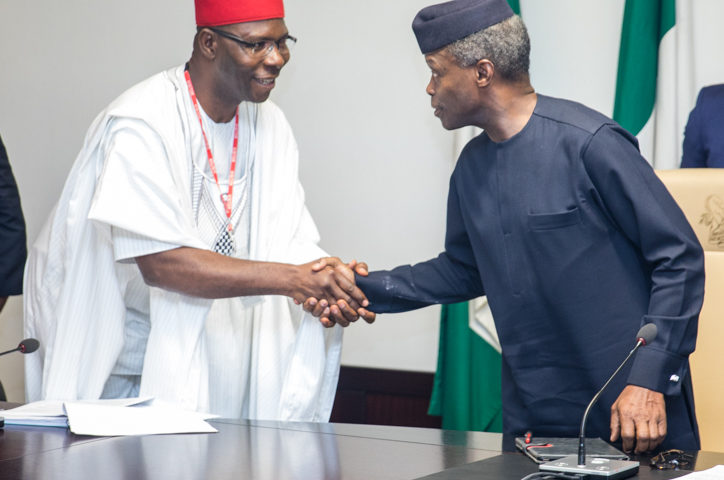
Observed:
{"x":10,"y":351}
{"x":582,"y":435}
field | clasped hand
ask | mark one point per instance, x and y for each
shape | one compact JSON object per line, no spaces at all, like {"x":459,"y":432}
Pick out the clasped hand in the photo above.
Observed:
{"x":328,"y":292}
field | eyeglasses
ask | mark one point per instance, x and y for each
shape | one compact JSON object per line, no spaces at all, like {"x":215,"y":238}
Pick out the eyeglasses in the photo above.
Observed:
{"x":671,"y":460}
{"x":262,"y":48}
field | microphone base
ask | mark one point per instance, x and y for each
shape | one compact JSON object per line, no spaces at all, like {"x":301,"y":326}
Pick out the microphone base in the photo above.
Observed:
{"x":595,"y":467}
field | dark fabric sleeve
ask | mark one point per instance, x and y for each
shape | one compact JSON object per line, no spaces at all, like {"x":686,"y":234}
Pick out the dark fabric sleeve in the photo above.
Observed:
{"x":449,"y":278}
{"x":694,"y":149}
{"x":13,"y":248}
{"x":644,"y":211}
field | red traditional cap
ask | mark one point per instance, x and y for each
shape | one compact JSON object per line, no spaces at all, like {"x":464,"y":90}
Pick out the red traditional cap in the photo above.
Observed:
{"x":212,"y":13}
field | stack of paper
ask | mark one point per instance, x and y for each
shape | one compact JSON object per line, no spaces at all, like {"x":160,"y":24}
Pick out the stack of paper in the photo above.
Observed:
{"x":44,"y":413}
{"x":123,"y":416}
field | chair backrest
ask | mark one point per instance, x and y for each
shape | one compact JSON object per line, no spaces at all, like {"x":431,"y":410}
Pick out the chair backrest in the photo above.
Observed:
{"x":700,"y":194}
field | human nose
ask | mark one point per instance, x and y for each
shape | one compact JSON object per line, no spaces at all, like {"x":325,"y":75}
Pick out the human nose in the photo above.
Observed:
{"x":275,"y":57}
{"x":430,"y":89}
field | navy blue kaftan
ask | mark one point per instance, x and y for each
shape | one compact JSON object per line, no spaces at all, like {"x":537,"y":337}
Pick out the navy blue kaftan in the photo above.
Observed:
{"x":703,"y":139}
{"x":576,"y":243}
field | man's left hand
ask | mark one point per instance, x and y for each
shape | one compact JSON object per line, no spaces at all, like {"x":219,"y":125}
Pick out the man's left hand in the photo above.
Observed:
{"x":639,"y":417}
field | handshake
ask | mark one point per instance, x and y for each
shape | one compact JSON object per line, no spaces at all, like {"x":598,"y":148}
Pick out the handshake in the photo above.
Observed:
{"x":326,"y":289}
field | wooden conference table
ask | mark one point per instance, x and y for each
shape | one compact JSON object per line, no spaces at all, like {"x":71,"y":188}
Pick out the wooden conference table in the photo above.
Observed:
{"x":276,"y":451}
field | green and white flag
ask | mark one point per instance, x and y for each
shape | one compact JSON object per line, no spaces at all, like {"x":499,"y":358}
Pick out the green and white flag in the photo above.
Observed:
{"x":655,"y":82}
{"x":467,"y":382}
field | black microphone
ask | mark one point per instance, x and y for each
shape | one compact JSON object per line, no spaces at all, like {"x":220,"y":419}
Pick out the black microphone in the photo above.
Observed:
{"x":646,"y":335}
{"x":29,"y":345}
{"x":604,"y":468}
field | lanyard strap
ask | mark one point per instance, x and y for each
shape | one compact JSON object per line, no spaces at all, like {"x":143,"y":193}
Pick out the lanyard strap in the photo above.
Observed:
{"x":225,"y":198}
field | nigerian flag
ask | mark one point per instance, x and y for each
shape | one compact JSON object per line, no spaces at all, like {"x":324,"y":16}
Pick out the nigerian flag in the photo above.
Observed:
{"x":467,"y":388}
{"x":466,"y":392}
{"x":652,"y":89}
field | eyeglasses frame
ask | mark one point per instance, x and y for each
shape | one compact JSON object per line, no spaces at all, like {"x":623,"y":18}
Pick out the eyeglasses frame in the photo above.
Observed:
{"x":251,"y":45}
{"x":671,"y":460}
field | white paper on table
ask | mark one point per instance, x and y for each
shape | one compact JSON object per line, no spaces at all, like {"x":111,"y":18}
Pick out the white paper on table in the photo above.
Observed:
{"x":714,"y":473}
{"x":50,"y":413}
{"x":113,"y":420}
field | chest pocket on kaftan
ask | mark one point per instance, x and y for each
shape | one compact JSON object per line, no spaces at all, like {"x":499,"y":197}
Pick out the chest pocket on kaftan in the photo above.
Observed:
{"x":550,"y":221}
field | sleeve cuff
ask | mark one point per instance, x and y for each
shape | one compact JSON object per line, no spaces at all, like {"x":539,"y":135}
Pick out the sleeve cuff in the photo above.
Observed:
{"x":374,"y":286}
{"x":394,"y":291}
{"x":659,"y":370}
{"x":128,"y":245}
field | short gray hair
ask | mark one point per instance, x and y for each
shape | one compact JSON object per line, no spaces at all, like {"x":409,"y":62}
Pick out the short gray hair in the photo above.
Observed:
{"x":506,"y":44}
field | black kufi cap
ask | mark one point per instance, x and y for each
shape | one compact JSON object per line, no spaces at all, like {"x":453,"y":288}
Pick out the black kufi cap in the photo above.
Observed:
{"x":442,"y":24}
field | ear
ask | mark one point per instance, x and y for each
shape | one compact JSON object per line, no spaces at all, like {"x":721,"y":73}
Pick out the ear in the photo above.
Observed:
{"x":484,"y":72}
{"x":207,"y":43}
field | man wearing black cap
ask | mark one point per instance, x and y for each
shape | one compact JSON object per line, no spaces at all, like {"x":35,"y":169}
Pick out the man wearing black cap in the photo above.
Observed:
{"x":556,"y":217}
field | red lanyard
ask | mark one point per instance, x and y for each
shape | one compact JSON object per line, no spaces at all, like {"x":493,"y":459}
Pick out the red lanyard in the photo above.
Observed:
{"x":225,"y":198}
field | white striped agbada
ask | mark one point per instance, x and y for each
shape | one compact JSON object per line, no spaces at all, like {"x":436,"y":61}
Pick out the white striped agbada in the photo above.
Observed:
{"x":75,"y":288}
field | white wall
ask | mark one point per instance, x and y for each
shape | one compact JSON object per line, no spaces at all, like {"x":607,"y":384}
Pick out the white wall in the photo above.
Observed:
{"x":375,"y":162}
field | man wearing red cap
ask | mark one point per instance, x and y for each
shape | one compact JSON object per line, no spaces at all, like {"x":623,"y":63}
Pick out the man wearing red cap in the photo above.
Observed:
{"x":157,"y":272}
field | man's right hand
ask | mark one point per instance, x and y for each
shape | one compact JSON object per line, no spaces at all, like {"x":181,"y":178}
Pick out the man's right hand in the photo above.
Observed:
{"x":341,"y":312}
{"x":206,"y":274}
